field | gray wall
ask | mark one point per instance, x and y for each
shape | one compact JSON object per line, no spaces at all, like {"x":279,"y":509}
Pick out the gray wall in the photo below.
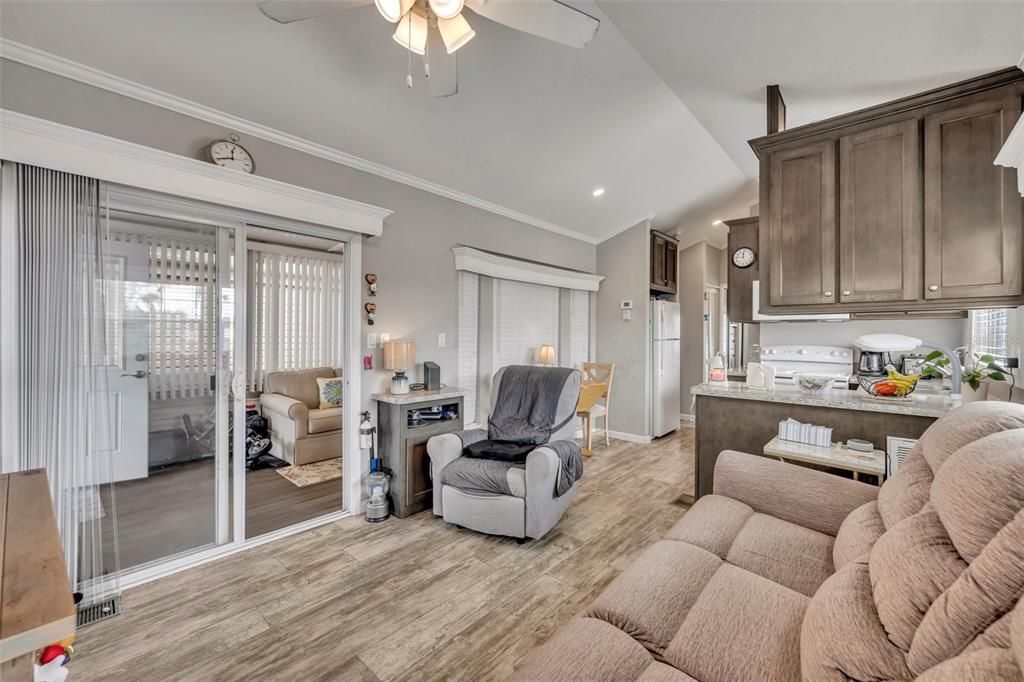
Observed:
{"x":416,"y":291}
{"x":624,"y":261}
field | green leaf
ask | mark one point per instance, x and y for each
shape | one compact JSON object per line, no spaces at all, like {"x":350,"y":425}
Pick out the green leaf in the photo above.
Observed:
{"x":974,"y":383}
{"x":998,"y":376}
{"x":986,"y":358}
{"x":934,"y":355}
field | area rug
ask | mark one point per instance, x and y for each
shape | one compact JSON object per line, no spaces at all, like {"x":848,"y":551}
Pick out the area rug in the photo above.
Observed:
{"x":311,"y":474}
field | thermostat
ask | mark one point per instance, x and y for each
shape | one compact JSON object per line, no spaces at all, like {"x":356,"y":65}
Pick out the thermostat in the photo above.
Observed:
{"x":627,"y":310}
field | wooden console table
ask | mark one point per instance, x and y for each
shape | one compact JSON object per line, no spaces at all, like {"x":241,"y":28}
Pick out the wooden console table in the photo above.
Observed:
{"x":403,"y":447}
{"x":36,"y":608}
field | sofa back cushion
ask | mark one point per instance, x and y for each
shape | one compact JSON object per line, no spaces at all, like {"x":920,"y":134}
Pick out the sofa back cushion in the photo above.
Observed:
{"x":300,"y":385}
{"x":943,"y":556}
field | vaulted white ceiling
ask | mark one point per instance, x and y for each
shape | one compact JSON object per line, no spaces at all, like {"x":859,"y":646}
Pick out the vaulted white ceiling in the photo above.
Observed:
{"x":657,"y":109}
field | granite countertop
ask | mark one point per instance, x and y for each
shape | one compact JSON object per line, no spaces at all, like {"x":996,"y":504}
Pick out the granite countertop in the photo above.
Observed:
{"x":924,"y":403}
{"x":419,"y":396}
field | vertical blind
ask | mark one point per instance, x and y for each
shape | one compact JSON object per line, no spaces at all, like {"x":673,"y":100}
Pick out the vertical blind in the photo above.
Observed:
{"x":296,"y":313}
{"x":526,"y":318}
{"x":469,"y":339}
{"x":579,"y":328}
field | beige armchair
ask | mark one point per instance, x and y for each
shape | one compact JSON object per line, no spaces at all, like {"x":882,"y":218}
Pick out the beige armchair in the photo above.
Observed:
{"x":300,"y":431}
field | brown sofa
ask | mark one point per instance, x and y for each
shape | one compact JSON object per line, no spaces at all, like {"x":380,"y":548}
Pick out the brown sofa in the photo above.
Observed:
{"x":300,"y":431}
{"x":785,"y":573}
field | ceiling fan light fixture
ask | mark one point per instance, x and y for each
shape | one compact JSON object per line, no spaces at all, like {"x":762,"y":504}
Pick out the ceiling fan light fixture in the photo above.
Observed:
{"x":446,"y":9}
{"x":394,"y":10}
{"x":455,"y":32}
{"x":412,"y":32}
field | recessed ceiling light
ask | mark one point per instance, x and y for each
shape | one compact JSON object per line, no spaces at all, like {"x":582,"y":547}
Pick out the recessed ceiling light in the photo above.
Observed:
{"x":719,"y":222}
{"x":598,"y":192}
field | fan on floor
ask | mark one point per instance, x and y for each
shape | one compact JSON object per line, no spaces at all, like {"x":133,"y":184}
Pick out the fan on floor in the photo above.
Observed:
{"x":435,"y":29}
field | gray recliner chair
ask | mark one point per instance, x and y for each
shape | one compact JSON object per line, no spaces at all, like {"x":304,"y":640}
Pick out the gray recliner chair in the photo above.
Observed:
{"x":498,"y":499}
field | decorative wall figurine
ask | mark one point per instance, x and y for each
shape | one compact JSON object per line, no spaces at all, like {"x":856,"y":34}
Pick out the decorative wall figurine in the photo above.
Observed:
{"x":371,"y":312}
{"x":371,"y":284}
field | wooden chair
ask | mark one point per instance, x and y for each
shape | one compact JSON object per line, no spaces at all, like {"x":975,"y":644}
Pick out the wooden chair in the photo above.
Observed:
{"x":600,"y":373}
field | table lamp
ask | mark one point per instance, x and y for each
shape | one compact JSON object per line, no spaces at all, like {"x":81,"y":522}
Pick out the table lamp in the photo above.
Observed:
{"x":399,"y":356}
{"x":546,"y":355}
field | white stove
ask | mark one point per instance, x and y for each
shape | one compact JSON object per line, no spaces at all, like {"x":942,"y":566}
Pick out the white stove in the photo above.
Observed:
{"x":790,"y":361}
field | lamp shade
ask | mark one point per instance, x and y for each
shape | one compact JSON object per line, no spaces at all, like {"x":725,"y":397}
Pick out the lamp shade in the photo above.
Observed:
{"x":446,"y":9}
{"x":411,"y":32}
{"x":455,"y":32}
{"x":399,"y":354}
{"x":546,"y":355}
{"x":393,"y":10}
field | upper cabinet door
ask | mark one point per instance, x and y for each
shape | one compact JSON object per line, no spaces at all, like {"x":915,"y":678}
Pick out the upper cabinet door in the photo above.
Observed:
{"x":880,"y":214}
{"x":801,"y":225}
{"x":671,"y":263}
{"x":658,"y":246}
{"x":972,"y":215}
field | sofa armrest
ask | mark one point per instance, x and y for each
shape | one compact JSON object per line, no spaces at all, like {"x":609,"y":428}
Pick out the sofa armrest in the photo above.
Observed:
{"x":444,"y":449}
{"x":809,"y":498}
{"x":282,"y":407}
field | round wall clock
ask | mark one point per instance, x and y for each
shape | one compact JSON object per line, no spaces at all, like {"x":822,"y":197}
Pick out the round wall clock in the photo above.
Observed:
{"x":230,"y":154}
{"x":744,"y":257}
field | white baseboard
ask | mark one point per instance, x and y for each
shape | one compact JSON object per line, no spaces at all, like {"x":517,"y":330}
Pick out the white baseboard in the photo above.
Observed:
{"x":687,"y":418}
{"x":630,"y":437}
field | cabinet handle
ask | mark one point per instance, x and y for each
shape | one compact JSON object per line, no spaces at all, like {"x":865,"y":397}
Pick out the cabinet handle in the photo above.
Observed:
{"x":933,"y":287}
{"x":828,"y":293}
{"x":846,"y":292}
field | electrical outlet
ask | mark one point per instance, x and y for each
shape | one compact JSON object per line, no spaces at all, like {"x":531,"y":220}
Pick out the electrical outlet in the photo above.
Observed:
{"x":442,"y":340}
{"x":371,"y":341}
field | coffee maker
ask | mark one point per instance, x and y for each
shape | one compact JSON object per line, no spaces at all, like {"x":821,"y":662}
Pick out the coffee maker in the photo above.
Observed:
{"x":873,"y":363}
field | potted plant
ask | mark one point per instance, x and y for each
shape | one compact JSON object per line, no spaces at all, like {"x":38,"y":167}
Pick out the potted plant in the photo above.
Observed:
{"x":977,"y":369}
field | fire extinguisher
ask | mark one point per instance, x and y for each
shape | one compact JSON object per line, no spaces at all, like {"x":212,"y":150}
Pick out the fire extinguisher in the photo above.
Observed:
{"x":366,"y":433}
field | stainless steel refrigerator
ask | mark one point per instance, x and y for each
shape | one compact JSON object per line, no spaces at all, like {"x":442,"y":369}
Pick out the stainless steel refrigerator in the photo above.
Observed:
{"x":664,"y":367}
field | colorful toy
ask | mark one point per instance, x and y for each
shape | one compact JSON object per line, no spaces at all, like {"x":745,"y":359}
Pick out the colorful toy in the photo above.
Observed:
{"x":52,"y":660}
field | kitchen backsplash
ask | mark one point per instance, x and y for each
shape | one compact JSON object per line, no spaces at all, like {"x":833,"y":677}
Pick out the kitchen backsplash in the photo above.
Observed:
{"x":951,"y":333}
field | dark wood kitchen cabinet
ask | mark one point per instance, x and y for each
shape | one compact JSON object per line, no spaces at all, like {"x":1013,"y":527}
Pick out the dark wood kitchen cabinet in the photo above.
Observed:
{"x":897,"y":207}
{"x":972,"y":228}
{"x":742,"y":234}
{"x":880,"y":214}
{"x":800,"y":239}
{"x":664,"y":263}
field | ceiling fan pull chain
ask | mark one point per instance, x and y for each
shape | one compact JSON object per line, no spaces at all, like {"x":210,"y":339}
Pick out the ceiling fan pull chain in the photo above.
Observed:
{"x":408,"y":68}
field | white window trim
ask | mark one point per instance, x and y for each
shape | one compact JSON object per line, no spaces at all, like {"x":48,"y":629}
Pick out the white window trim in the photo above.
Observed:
{"x":503,"y":267}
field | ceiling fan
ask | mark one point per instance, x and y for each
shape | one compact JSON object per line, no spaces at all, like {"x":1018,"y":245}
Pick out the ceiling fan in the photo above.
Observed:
{"x":436,"y":29}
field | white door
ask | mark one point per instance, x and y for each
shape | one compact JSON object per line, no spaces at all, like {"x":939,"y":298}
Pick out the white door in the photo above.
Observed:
{"x":123,"y":402}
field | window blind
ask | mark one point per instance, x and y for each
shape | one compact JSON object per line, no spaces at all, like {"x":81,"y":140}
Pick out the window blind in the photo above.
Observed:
{"x":526,"y":317}
{"x":990,"y":331}
{"x":468,"y":339}
{"x":579,"y":328}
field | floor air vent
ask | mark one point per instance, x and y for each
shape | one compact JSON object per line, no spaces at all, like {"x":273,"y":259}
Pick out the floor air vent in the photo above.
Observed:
{"x":98,"y":611}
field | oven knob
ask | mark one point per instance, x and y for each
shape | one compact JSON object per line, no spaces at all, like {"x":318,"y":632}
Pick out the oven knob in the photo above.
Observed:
{"x":846,"y":353}
{"x":803,"y":351}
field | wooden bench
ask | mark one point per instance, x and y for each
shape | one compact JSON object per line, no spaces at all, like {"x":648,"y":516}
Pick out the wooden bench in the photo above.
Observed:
{"x":36,"y":606}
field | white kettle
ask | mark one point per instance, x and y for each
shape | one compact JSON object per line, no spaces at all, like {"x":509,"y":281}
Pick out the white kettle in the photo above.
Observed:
{"x":760,"y":376}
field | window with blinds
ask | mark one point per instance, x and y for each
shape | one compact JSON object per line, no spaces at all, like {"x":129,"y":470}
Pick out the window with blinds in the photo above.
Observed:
{"x":990,"y":332}
{"x":579,"y":328}
{"x":296,"y":313}
{"x":526,"y":318}
{"x":468,"y":339}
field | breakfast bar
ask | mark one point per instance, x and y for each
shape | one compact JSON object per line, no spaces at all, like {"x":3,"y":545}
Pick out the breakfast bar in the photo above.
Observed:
{"x":733,"y":416}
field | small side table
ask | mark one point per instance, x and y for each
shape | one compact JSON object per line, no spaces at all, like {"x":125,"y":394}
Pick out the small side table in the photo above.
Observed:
{"x":402,"y":443}
{"x":838,"y":457}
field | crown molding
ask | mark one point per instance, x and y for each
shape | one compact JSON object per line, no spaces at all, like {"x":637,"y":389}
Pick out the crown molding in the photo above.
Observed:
{"x":503,"y":267}
{"x":37,"y":141}
{"x":66,"y":68}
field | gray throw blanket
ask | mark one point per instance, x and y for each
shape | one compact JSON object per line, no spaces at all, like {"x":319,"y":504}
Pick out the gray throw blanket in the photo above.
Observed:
{"x":525,"y":412}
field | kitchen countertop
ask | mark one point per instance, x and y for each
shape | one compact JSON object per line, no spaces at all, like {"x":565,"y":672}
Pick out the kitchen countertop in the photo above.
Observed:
{"x":419,"y":396}
{"x":925,"y":402}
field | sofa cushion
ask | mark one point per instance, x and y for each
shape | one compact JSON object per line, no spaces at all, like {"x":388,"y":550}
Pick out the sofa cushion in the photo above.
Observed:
{"x":858,"y":534}
{"x":742,"y":627}
{"x":650,"y":600}
{"x":986,"y":665}
{"x":789,"y":554}
{"x":479,"y":476}
{"x":907,"y":492}
{"x":300,"y":385}
{"x":587,"y":650}
{"x":322,"y":421}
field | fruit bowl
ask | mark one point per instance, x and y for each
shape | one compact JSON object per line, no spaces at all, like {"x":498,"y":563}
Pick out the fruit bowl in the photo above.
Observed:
{"x":894,"y":386}
{"x":812,"y":383}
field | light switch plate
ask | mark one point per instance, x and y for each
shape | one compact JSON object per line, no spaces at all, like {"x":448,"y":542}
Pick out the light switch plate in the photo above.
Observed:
{"x":371,"y":341}
{"x":442,"y":340}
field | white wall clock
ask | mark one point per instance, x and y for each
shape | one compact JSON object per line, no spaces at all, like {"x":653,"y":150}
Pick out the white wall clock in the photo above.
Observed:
{"x":230,"y":154}
{"x":743,"y":257}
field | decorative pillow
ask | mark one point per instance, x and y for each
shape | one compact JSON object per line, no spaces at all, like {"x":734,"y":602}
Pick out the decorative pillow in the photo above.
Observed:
{"x":331,"y":391}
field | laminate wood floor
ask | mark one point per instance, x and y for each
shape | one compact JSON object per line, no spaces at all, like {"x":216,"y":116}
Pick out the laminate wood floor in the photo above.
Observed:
{"x":408,"y":599}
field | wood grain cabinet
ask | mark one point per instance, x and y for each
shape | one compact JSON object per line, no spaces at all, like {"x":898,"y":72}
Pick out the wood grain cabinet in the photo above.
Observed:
{"x":742,"y":233}
{"x":895,"y":208}
{"x":973,"y":230}
{"x":664,"y":263}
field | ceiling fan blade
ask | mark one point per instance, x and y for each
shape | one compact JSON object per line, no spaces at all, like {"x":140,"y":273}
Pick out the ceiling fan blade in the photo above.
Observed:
{"x":544,"y":18}
{"x":442,"y":68}
{"x":287,"y":11}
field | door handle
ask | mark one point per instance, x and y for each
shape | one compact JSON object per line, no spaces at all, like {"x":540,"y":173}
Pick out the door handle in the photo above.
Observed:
{"x":138,"y":374}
